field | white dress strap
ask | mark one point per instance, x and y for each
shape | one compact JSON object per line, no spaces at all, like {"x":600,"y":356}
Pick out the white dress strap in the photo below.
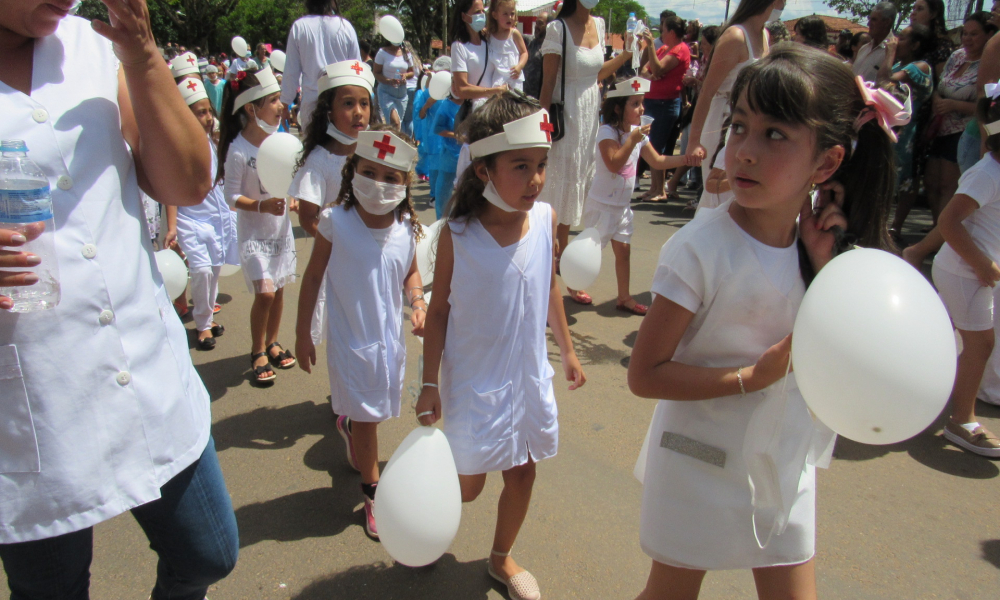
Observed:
{"x":746,"y":39}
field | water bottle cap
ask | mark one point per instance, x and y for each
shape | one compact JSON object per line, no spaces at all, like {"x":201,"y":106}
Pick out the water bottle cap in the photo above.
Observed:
{"x":631,"y":14}
{"x":13,"y":146}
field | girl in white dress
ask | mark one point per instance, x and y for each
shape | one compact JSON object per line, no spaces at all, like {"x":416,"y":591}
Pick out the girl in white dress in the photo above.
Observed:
{"x":365,"y":256}
{"x":508,"y":52}
{"x":251,"y":111}
{"x":494,"y":258}
{"x":205,"y":232}
{"x":620,"y":142}
{"x":716,"y":342}
{"x":571,"y":161}
{"x":742,"y":42}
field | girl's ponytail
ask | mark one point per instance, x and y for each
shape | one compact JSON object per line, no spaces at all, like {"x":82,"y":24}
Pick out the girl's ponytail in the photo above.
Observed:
{"x":868,"y":175}
{"x":230,"y":125}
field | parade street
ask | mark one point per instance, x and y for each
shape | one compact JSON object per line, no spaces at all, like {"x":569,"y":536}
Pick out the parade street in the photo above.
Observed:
{"x":913,"y":520}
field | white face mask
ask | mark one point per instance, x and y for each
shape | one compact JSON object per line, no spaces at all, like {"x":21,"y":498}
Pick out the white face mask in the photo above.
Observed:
{"x":775,"y":15}
{"x":376,"y":197}
{"x":268,"y":129}
{"x":588,"y":4}
{"x":493,"y":197}
{"x":340,"y":136}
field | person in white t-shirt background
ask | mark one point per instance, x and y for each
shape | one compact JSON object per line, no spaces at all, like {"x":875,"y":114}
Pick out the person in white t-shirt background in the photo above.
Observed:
{"x":965,"y":272}
{"x":393,"y":69}
{"x":471,"y":69}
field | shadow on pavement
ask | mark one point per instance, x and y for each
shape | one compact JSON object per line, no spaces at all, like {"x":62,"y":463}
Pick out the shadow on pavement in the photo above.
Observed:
{"x":447,"y":578}
{"x":322,"y":512}
{"x":268,"y":428}
{"x":220,"y":375}
{"x":991,"y":552}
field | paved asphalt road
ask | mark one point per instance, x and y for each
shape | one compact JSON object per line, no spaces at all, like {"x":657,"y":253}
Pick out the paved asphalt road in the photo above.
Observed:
{"x":906,"y":521}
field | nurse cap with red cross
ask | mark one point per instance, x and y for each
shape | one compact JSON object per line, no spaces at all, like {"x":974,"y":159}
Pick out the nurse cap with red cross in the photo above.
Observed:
{"x":533,"y":131}
{"x":347,"y":72}
{"x":192,"y":90}
{"x":184,"y":64}
{"x":387,"y":148}
{"x":629,"y":87}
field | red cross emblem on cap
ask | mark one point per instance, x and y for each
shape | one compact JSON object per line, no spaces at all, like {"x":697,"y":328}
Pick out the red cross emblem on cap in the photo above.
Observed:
{"x":384,"y":147}
{"x":357,"y":68}
{"x":635,"y":85}
{"x":547,"y":127}
{"x":191,"y":85}
{"x":191,"y":60}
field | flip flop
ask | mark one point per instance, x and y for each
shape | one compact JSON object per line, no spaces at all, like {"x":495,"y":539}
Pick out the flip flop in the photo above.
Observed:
{"x":635,"y":309}
{"x":581,"y":297}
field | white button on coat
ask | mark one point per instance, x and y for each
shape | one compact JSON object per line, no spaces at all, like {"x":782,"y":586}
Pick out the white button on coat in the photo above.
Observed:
{"x":40,"y":115}
{"x":123,"y":378}
{"x":88,"y":251}
{"x":65,"y":182}
{"x":106,"y":317}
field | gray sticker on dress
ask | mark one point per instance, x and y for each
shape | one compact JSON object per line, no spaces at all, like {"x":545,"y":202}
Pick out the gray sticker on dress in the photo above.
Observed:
{"x":693,"y":448}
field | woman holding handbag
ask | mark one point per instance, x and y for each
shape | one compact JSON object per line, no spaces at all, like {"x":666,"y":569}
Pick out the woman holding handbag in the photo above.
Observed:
{"x":578,"y":37}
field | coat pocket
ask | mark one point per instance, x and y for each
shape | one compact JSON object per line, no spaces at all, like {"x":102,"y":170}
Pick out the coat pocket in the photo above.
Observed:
{"x":18,"y":444}
{"x":367,"y":370}
{"x":491,"y":415}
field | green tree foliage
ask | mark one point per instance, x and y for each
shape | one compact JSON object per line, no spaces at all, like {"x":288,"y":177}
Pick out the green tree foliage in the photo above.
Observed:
{"x":258,"y":21}
{"x":163,"y":27}
{"x":619,"y":14}
{"x":196,"y":21}
{"x":861,"y":8}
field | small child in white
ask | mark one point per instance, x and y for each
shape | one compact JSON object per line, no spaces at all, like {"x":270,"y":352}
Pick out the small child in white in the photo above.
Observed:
{"x":620,"y":142}
{"x":508,"y":52}
{"x":494,"y":292}
{"x":206,"y":232}
{"x":965,"y":272}
{"x":366,"y":251}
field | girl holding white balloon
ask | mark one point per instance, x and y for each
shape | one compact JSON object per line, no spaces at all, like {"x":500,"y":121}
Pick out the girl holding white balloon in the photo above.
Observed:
{"x":620,"y":142}
{"x":366,"y":255}
{"x":206,"y":232}
{"x":717,"y":337}
{"x":251,"y":111}
{"x":965,"y":272}
{"x":495,"y":258}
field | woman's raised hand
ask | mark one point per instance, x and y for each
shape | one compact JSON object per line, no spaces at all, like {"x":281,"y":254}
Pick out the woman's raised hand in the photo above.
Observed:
{"x":129,"y":30}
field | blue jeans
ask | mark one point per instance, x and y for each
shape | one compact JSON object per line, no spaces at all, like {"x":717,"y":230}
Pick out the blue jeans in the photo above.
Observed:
{"x":968,"y":151}
{"x":408,"y":117}
{"x":192,"y":529}
{"x":392,"y":98}
{"x":665,"y":115}
{"x":443,"y":188}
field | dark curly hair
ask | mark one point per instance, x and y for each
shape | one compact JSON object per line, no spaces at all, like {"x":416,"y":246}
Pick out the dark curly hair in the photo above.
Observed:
{"x":316,"y":135}
{"x":346,"y":196}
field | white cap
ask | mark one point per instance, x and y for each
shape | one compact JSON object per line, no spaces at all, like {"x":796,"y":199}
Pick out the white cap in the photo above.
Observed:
{"x":347,"y":72}
{"x":533,"y":131}
{"x":629,"y":87}
{"x":266,"y":85}
{"x":442,"y":63}
{"x":184,"y":64}
{"x":385,"y":147}
{"x":192,"y":90}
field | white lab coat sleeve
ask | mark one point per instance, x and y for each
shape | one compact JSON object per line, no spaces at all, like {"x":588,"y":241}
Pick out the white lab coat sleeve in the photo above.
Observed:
{"x":293,"y":69}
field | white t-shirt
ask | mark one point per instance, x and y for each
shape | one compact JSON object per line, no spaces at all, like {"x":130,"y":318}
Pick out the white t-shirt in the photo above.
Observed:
{"x":981,"y":183}
{"x":614,"y":189}
{"x":393,"y":66}
{"x":468,"y":58}
{"x":318,"y":181}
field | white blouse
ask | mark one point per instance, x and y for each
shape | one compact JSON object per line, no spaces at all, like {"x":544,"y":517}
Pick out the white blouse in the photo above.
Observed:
{"x":99,"y":400}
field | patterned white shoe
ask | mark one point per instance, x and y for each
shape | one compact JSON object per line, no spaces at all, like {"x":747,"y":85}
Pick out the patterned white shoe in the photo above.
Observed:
{"x":522,"y":586}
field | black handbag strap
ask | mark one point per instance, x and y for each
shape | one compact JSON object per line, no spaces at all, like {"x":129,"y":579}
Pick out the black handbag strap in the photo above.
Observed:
{"x":486,"y":61}
{"x":562,"y":76}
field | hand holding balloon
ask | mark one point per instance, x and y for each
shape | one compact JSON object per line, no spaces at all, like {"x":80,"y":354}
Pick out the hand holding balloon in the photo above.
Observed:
{"x":770,"y":367}
{"x":429,"y":402}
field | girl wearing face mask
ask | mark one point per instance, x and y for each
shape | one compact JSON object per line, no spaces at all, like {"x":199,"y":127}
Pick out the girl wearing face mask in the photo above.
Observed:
{"x":365,"y":255}
{"x":251,"y":111}
{"x":494,"y":258}
{"x":741,"y":43}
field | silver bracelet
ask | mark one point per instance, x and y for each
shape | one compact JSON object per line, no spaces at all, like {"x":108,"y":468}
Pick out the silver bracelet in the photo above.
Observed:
{"x":418,"y":308}
{"x":259,"y":202}
{"x":433,"y":385}
{"x":739,"y":378}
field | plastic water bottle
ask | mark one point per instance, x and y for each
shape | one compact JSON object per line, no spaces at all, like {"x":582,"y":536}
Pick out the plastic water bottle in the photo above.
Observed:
{"x":630,"y":24}
{"x":26,"y":207}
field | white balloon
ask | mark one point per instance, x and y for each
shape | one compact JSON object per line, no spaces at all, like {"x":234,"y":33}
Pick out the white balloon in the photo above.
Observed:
{"x":426,"y":249}
{"x":276,"y":160}
{"x":278,"y":60}
{"x":873,"y":349}
{"x":228,"y":270}
{"x":240,"y":46}
{"x":440,"y":85}
{"x":581,"y":261}
{"x":173,"y":271}
{"x":418,"y":503}
{"x":391,"y":29}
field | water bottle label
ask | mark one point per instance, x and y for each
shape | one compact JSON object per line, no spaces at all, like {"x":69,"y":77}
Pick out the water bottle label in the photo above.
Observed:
{"x":25,"y":206}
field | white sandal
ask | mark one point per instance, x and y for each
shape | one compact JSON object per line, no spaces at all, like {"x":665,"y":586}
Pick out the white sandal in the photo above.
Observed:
{"x":522,"y":586}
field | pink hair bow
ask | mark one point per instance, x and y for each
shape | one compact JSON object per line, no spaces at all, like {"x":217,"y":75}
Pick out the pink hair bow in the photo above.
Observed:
{"x":881,"y":105}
